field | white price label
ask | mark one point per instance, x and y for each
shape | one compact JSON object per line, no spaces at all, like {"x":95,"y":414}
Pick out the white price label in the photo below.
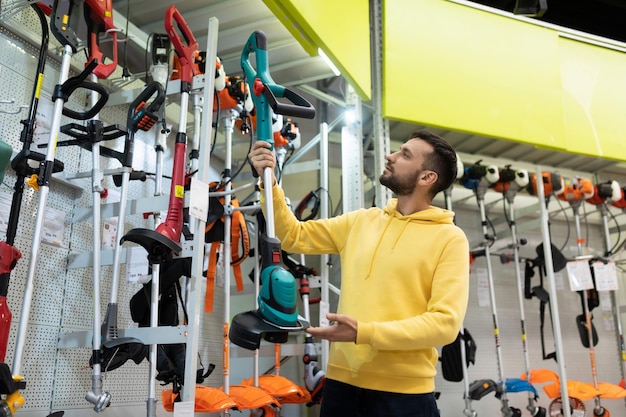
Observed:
{"x":579,"y":275}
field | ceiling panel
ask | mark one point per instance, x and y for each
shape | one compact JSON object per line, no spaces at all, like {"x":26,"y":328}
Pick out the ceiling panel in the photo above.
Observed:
{"x":291,"y":66}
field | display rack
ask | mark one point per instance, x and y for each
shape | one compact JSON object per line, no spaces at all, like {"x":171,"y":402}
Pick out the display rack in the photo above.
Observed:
{"x":187,"y":334}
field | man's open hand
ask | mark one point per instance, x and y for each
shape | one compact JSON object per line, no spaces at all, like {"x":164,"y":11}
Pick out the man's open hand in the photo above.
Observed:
{"x":342,"y":329}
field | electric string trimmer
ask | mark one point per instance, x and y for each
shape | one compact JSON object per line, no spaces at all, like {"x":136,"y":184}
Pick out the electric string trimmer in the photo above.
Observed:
{"x":163,"y":242}
{"x":605,"y":193}
{"x":510,"y":183}
{"x":141,"y":116}
{"x":576,"y":191}
{"x":9,"y":254}
{"x":479,"y":178}
{"x":65,"y":18}
{"x":468,"y":411}
{"x":277,"y":313}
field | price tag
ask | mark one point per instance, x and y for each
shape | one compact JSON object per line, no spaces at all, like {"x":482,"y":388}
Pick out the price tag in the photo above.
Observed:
{"x":579,"y":275}
{"x":324,"y":309}
{"x":183,"y":409}
{"x":606,"y":276}
{"x":199,"y":199}
{"x":109,"y":232}
{"x":482,"y":280}
{"x":53,"y":227}
{"x":137,"y":265}
{"x":5,"y":210}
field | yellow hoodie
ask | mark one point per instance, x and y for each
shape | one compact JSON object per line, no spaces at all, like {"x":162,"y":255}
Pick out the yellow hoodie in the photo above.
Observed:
{"x":405,"y":280}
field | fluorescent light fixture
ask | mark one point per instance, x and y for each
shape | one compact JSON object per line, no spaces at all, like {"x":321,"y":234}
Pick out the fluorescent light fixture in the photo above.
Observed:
{"x":350,"y":115}
{"x":328,"y":62}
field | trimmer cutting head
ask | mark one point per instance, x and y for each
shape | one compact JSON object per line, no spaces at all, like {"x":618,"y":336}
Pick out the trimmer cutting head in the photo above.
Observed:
{"x":248,"y":328}
{"x":277,"y":314}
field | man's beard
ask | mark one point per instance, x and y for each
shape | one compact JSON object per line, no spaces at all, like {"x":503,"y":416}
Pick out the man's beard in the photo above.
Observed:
{"x":400,"y":185}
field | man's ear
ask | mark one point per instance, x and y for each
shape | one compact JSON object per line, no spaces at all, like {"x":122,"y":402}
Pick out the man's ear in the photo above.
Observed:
{"x":428,"y":177}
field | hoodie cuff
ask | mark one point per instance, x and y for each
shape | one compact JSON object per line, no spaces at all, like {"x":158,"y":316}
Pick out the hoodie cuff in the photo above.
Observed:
{"x":365,"y":333}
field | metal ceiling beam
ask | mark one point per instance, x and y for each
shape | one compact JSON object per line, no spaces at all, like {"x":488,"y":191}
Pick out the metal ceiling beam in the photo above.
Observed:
{"x":320,"y":95}
{"x":137,"y":37}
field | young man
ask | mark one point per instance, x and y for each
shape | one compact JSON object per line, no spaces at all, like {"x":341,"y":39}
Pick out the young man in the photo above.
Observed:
{"x":404,"y":283}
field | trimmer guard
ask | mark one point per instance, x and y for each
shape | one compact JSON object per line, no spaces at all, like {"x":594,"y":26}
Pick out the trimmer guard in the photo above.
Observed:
{"x":519,"y":385}
{"x":575,"y":389}
{"x":249,"y":397}
{"x":479,"y":388}
{"x":248,"y":328}
{"x":611,"y":391}
{"x":540,"y":376}
{"x":207,"y":400}
{"x":281,"y":388}
{"x":159,"y":247}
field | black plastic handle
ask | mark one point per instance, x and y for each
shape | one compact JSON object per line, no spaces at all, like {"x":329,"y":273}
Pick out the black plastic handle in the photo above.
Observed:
{"x":92,"y":112}
{"x":300,"y":107}
{"x":142,"y":116}
{"x":70,"y":85}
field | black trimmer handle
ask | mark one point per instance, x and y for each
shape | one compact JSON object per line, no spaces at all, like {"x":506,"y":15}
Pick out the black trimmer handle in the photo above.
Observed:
{"x":300,"y":107}
{"x":80,"y":81}
{"x":142,"y":116}
{"x":92,"y":112}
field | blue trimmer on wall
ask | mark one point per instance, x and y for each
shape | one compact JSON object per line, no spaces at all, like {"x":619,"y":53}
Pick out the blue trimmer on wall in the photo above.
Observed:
{"x":277,"y":313}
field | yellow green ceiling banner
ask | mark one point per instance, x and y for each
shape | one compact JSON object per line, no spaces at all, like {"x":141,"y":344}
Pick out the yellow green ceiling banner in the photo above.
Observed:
{"x":450,"y":65}
{"x":458,"y":67}
{"x":594,"y":99}
{"x":465,"y":69}
{"x":340,"y":28}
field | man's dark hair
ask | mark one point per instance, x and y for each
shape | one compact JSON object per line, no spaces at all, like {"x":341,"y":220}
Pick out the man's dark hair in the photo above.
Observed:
{"x":442,"y":160}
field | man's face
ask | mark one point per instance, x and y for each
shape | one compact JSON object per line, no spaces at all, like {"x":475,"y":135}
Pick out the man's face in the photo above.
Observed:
{"x":403,"y":167}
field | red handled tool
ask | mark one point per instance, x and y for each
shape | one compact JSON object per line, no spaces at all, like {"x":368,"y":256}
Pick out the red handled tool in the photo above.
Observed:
{"x":164,"y":241}
{"x":100,"y":19}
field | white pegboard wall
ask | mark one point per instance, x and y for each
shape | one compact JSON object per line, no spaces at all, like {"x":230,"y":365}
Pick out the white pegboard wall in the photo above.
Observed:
{"x":127,"y":385}
{"x":38,"y":365}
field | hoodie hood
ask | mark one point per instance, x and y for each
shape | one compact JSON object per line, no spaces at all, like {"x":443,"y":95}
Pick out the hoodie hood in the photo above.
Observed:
{"x":431,"y":215}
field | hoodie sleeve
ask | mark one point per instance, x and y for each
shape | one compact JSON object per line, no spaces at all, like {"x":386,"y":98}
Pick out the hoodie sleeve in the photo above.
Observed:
{"x":310,"y":237}
{"x":443,"y":318}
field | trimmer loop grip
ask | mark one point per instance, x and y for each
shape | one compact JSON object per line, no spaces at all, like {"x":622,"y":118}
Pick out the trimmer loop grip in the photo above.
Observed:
{"x":185,"y":51}
{"x":265,"y":90}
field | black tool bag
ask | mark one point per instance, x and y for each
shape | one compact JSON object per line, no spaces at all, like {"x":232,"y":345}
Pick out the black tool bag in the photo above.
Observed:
{"x":171,"y":357}
{"x":451,"y":360}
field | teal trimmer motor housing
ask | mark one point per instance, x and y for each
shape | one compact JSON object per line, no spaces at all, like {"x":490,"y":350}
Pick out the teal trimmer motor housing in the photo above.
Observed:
{"x":278,"y":295}
{"x":277,"y":314}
